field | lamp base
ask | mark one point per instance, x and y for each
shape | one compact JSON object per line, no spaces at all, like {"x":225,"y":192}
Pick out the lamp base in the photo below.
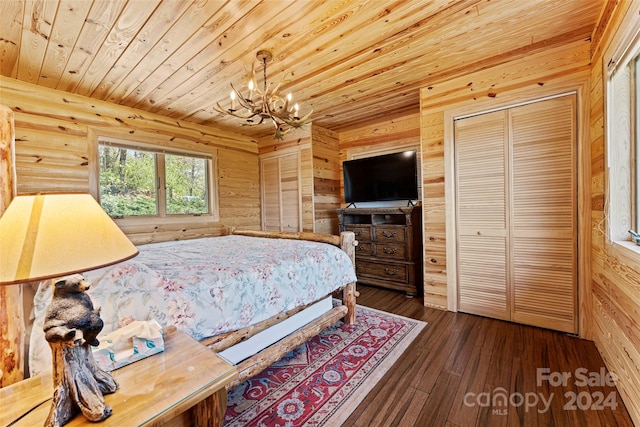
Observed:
{"x":78,"y":385}
{"x":71,"y":326}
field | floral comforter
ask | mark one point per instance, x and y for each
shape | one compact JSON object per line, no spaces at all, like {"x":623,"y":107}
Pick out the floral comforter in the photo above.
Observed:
{"x":208,"y":286}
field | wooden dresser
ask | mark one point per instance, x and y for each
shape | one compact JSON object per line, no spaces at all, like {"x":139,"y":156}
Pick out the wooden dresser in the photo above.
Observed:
{"x":389,"y":251}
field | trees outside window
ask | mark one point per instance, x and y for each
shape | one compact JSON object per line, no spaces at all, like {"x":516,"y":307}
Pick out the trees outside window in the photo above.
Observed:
{"x":136,"y":181}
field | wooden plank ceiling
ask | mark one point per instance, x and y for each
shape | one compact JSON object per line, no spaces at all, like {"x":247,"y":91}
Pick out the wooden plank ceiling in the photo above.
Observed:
{"x":351,"y":61}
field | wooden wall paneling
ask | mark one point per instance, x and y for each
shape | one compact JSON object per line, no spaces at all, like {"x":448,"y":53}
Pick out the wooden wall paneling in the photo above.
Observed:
{"x":12,"y":321}
{"x":529,"y":76}
{"x":435,"y":210}
{"x":400,"y":130}
{"x":55,"y":130}
{"x":326,"y":179}
{"x":307,"y":193}
{"x":238,"y":188}
{"x":615,"y":272}
{"x":63,"y":153}
{"x":153,"y":233}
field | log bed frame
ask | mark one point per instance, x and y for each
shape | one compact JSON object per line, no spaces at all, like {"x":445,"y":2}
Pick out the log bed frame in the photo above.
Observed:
{"x":261,"y":360}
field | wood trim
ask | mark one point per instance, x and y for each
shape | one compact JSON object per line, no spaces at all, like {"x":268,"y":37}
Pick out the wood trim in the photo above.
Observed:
{"x":585,"y":304}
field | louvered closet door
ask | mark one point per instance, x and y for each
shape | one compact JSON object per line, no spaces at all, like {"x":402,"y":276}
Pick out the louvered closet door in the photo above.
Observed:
{"x":270,"y":182}
{"x":516,"y":214}
{"x":480,"y":147}
{"x":544,"y":238}
{"x":290,"y":188}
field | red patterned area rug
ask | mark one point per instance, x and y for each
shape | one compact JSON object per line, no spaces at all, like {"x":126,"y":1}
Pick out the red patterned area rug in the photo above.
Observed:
{"x":323,"y":380}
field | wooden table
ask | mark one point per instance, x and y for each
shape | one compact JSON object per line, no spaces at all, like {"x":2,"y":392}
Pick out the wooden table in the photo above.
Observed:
{"x":183,"y":385}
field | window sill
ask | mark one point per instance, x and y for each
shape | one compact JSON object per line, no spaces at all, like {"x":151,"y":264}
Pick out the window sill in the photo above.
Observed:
{"x":626,"y":252}
{"x":173,"y":219}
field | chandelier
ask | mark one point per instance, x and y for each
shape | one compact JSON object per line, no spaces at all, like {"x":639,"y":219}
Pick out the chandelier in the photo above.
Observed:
{"x":267,"y":104}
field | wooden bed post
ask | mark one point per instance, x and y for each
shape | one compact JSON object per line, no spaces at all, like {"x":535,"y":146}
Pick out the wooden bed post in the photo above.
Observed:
{"x":12,"y":329}
{"x":348,"y":244}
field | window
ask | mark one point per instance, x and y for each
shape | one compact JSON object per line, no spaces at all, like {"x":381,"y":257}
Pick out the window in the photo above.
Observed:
{"x":140,"y":181}
{"x":623,"y":141}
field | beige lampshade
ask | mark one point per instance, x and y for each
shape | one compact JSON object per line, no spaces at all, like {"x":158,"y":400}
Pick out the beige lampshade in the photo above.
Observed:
{"x":52,"y":235}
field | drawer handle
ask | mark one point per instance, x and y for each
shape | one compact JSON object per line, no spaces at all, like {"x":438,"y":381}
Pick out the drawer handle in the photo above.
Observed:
{"x":391,"y":273}
{"x":387,"y":235}
{"x":357,"y":232}
{"x":389,"y":251}
{"x":360,"y":248}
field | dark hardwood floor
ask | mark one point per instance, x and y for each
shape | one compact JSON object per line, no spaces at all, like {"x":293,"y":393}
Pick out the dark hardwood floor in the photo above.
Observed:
{"x":466,"y":370}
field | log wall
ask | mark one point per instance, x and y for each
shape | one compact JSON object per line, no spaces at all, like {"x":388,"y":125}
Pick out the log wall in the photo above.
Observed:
{"x":54,"y":136}
{"x":615,"y":273}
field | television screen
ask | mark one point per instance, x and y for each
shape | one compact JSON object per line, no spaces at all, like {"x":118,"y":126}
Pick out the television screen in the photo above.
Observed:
{"x":381,"y":178}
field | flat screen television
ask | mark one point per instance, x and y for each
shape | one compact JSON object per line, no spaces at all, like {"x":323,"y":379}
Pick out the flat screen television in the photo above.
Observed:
{"x":381,"y":178}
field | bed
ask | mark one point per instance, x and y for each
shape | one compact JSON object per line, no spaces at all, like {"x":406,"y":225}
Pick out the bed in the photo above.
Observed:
{"x":251,"y":296}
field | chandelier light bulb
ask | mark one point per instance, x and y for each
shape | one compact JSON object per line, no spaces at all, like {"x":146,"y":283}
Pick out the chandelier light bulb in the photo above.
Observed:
{"x":233,"y":100}
{"x":251,"y":86}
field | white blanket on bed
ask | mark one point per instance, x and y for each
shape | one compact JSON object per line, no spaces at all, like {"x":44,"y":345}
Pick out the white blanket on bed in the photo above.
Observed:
{"x":206,"y":286}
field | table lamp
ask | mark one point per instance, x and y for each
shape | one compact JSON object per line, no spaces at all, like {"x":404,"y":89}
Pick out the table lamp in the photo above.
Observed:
{"x":56,"y":236}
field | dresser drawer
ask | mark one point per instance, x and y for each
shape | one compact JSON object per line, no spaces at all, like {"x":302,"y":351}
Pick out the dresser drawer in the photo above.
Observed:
{"x":390,"y":251}
{"x":361,"y":233}
{"x":390,"y":234}
{"x":391,"y":272}
{"x":364,"y":249}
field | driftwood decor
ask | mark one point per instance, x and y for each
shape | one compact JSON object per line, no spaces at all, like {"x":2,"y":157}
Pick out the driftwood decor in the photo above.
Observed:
{"x":71,"y":327}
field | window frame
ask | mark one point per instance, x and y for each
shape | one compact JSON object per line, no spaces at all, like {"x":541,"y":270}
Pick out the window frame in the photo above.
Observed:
{"x":623,"y":52}
{"x":161,"y":217}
